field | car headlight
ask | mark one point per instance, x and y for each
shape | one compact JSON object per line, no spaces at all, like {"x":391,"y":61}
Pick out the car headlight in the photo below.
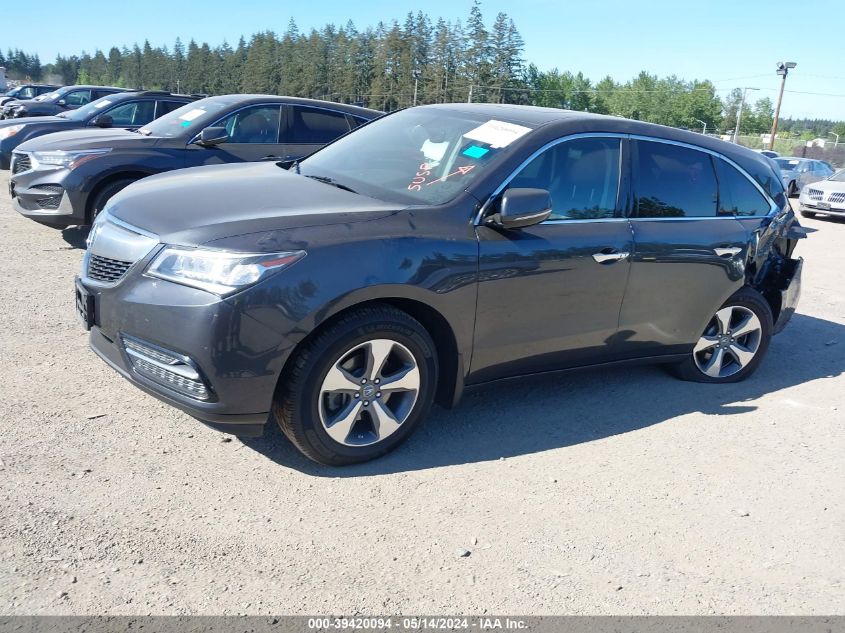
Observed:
{"x":219,"y":272}
{"x":7,"y":132}
{"x":69,"y":159}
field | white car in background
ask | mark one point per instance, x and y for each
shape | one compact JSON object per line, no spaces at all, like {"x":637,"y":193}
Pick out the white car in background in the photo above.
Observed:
{"x":824,"y":196}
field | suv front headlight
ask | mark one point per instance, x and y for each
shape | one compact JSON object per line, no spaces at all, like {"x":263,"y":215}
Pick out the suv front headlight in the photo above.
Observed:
{"x":69,"y":159}
{"x":11,"y":130}
{"x":219,"y":272}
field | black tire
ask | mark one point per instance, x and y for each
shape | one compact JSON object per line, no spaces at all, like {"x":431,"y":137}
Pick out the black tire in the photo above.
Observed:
{"x":298,"y":398}
{"x":791,"y":190}
{"x":808,"y":214}
{"x":105,"y":194}
{"x":749,"y":299}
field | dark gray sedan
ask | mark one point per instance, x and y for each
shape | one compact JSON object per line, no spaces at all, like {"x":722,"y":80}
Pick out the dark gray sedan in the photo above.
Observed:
{"x":434,"y":249}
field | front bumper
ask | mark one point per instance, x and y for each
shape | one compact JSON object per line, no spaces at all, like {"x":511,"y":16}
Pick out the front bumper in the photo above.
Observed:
{"x":238,"y":358}
{"x":47,"y":196}
{"x":826,"y":208}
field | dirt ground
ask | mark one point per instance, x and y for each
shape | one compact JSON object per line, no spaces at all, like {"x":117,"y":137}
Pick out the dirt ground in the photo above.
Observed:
{"x":613,"y":492}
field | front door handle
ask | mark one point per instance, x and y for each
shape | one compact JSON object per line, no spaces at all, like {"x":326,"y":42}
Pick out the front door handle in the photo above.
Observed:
{"x":610,"y":255}
{"x":271,"y":157}
{"x":727,"y":251}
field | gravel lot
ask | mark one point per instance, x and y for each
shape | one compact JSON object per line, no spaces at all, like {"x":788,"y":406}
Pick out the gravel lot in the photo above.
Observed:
{"x":614,"y":492}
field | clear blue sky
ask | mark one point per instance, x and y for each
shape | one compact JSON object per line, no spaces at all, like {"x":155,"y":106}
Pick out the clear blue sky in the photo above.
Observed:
{"x":735,"y":43}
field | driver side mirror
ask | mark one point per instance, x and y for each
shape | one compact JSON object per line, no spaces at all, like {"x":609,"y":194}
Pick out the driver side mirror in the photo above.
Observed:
{"x":519,"y":208}
{"x":211,"y":136}
{"x":61,"y":102}
{"x":104,"y":120}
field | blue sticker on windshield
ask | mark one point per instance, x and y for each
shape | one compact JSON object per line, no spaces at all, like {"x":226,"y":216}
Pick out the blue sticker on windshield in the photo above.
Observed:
{"x":474,"y":151}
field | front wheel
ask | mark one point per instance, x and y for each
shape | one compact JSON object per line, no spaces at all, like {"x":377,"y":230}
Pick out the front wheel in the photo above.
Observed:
{"x":105,"y":194}
{"x":359,"y":388}
{"x":734,"y":342}
{"x":792,"y":190}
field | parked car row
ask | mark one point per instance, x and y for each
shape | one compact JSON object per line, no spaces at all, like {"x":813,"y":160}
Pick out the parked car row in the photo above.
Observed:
{"x":65,"y":178}
{"x":24,"y":92}
{"x":56,"y":101}
{"x":128,"y":109}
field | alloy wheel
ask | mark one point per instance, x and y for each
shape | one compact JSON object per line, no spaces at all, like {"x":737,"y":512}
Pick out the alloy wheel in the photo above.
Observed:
{"x":369,"y":392}
{"x":729,"y":343}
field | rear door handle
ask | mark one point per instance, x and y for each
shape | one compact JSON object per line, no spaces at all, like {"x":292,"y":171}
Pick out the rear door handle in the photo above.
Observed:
{"x":610,"y":255}
{"x":727,"y":251}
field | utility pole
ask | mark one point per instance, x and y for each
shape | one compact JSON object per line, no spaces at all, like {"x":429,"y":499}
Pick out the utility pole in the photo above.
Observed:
{"x":469,"y":99}
{"x":416,"y":81}
{"x":836,"y":142}
{"x":739,"y":113}
{"x":704,"y":123}
{"x":783,"y":71}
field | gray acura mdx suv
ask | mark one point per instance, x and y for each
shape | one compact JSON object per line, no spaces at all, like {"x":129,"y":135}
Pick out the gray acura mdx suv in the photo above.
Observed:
{"x":436,"y":248}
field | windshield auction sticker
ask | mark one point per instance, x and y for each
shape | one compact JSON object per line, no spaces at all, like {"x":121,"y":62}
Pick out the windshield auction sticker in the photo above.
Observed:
{"x":497,"y":134}
{"x":192,"y":114}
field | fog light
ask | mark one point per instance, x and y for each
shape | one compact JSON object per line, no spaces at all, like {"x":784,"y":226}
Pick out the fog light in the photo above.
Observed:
{"x":165,"y":367}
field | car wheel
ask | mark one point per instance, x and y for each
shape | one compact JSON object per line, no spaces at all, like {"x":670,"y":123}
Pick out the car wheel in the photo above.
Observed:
{"x":733,"y":343}
{"x":792,"y":190}
{"x":105,"y":194}
{"x":359,"y":388}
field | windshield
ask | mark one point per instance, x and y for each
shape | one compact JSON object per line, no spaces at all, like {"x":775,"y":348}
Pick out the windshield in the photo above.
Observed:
{"x":839,"y":176}
{"x":12,"y":92}
{"x":787,"y":164}
{"x":90,"y":110}
{"x":192,"y":116}
{"x":416,"y":156}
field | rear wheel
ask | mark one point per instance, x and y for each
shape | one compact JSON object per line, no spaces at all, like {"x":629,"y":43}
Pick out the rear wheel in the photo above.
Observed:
{"x":105,"y":194}
{"x":359,"y":388}
{"x":734,"y":342}
{"x":792,"y":189}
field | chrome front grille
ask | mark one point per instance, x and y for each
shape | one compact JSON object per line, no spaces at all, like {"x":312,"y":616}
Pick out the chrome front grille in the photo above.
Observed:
{"x":20,"y":163}
{"x":837,"y":197}
{"x":167,"y":368}
{"x":113,"y":248}
{"x":106,"y":270}
{"x":815,"y":194}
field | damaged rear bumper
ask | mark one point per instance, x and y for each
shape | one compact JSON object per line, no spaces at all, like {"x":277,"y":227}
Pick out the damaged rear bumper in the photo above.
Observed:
{"x":788,"y":289}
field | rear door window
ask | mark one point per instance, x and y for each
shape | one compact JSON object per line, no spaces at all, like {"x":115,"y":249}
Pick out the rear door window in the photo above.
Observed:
{"x":102,"y":93}
{"x":167,"y":106}
{"x":672,"y":181}
{"x":314,"y":126}
{"x":77,"y":98}
{"x":737,"y":195}
{"x":132,"y":113}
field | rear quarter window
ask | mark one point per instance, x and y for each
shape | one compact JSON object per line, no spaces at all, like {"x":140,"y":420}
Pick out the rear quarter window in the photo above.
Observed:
{"x":737,"y":194}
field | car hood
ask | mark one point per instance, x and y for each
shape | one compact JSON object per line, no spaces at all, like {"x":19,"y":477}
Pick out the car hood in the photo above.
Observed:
{"x":198,"y":205}
{"x":38,"y":120}
{"x":829,"y":186}
{"x":88,"y":138}
{"x":32,"y":105}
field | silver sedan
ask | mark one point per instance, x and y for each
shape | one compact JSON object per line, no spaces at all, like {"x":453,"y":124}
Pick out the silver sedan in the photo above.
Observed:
{"x":825,"y":196}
